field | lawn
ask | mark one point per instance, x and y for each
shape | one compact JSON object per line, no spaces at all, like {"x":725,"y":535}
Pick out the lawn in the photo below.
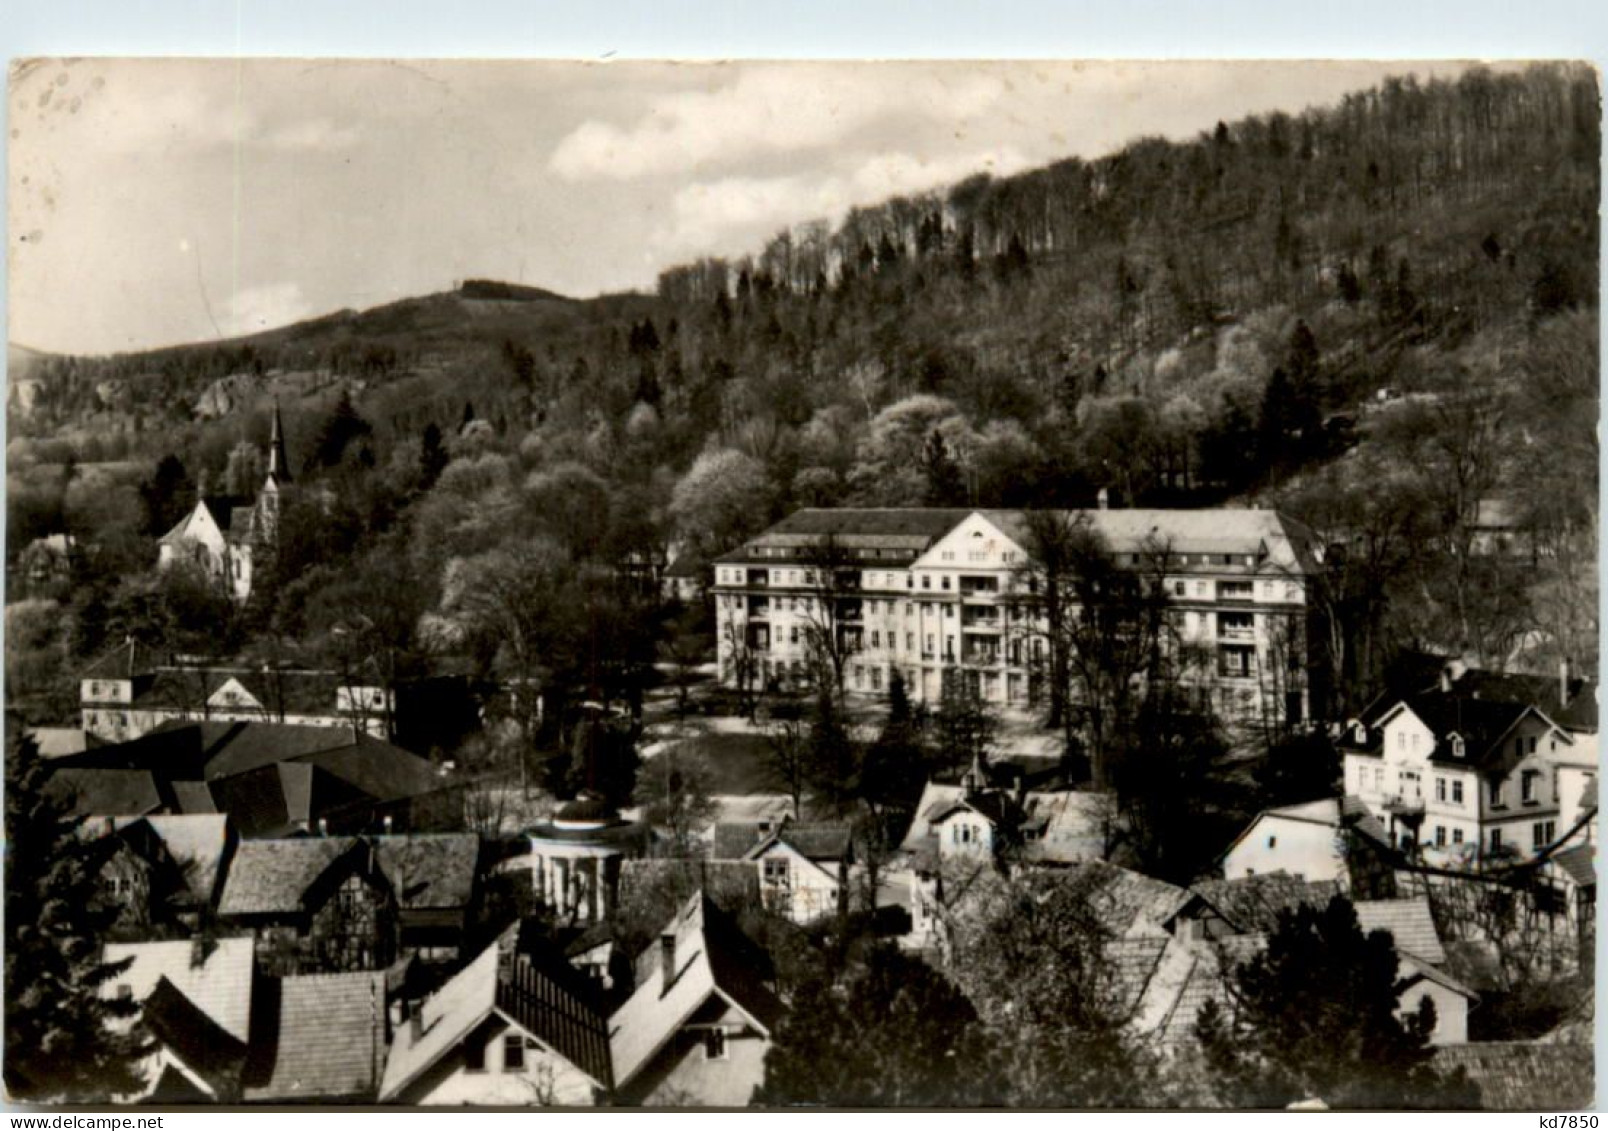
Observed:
{"x":739,"y":761}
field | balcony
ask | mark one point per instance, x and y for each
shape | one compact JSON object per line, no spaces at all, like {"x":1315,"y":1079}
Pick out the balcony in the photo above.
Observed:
{"x":758,"y":610}
{"x":980,"y":657}
{"x":1245,"y":632}
{"x":758,"y":578}
{"x":980,"y":620}
{"x":1404,"y":805}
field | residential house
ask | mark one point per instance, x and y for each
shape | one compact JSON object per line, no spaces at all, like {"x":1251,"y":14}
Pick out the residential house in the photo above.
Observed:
{"x":131,"y":691}
{"x":695,"y":1030}
{"x":505,"y":1030}
{"x":1334,"y":838}
{"x":804,"y":868}
{"x":976,"y":821}
{"x":946,"y":594}
{"x":164,"y":873}
{"x":1251,"y":908}
{"x":271,"y":780}
{"x":1463,"y":780}
{"x":229,"y":538}
{"x":196,"y":1001}
{"x":683,"y":580}
{"x":321,"y":904}
{"x":45,"y":564}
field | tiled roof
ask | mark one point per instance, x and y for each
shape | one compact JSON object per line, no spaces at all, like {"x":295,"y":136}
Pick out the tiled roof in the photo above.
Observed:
{"x":1253,"y":903}
{"x":106,"y":793}
{"x":61,"y":742}
{"x":1409,"y":922}
{"x":1290,"y":546}
{"x":1580,"y":863}
{"x":1579,"y":712}
{"x":1519,"y":1076}
{"x":218,"y":982}
{"x":733,"y":839}
{"x":1481,"y":723}
{"x":226,"y":508}
{"x":1129,"y":904}
{"x":330,"y":1042}
{"x":818,"y":841}
{"x":126,"y":661}
{"x":269,"y":877}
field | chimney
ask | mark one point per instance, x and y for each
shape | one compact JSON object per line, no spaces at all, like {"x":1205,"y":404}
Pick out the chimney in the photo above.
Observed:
{"x":1563,"y":682}
{"x":323,"y":827}
{"x":1446,"y":679}
{"x":667,"y":961}
{"x":416,"y":1023}
{"x":1103,"y":499}
{"x":388,"y":825}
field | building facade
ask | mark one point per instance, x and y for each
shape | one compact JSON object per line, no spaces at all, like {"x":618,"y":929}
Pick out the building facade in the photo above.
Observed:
{"x":227,"y":538}
{"x":944,"y":594}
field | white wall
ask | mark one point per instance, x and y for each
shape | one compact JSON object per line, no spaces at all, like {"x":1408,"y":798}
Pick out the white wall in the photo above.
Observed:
{"x":1278,"y":844}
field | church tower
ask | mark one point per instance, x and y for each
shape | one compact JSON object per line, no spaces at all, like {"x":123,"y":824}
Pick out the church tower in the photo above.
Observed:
{"x":278,"y":477}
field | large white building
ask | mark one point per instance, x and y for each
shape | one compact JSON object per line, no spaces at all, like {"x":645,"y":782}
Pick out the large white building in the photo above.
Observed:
{"x":949,"y":593}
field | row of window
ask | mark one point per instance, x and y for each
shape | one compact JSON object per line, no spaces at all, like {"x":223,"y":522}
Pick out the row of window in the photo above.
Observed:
{"x":1542,"y":834}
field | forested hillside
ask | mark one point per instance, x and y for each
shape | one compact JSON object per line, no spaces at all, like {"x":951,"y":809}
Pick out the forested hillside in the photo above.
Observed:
{"x":1380,"y":315}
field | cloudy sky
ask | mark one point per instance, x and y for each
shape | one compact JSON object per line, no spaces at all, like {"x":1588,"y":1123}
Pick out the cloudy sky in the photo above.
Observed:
{"x":155,"y":202}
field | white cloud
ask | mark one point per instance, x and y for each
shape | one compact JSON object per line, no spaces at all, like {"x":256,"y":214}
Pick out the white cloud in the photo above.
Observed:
{"x":264,"y":307}
{"x":776,"y":109}
{"x":734,"y":213}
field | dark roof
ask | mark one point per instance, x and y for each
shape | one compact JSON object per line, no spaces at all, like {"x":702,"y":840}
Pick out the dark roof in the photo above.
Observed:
{"x":270,"y":877}
{"x":586,"y":809}
{"x":226,"y":508}
{"x":686,"y":565}
{"x":106,"y":793}
{"x":1520,"y":1076}
{"x":382,"y":771}
{"x":126,"y":661}
{"x":1481,"y":723}
{"x":1580,"y":862}
{"x":545,"y":1000}
{"x":819,"y":841}
{"x":909,"y":530}
{"x":1579,"y":712}
{"x":205,"y":1047}
{"x":1252,"y":903}
{"x":733,"y":839}
{"x":279,"y":691}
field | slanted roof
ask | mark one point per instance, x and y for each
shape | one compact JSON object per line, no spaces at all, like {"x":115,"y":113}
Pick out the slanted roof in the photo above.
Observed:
{"x":106,"y":793}
{"x":447,"y":1017}
{"x":211,"y":1052}
{"x":818,"y":841}
{"x":1579,"y":863}
{"x":547,"y":1003}
{"x":1252,"y":904}
{"x":426,"y":871}
{"x":197,"y":843}
{"x":908,"y":530}
{"x":61,"y":742}
{"x":1409,"y":922}
{"x":218,"y":981}
{"x":710,"y":960}
{"x":1279,"y":543}
{"x":269,"y":877}
{"x":330,"y":1040}
{"x":128,"y":660}
{"x":1525,"y":1076}
{"x":1576,"y":712}
{"x":225,"y":509}
{"x":1128,"y":903}
{"x":1336,"y":813}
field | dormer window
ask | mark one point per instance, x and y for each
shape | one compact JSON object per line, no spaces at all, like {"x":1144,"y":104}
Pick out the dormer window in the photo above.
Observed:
{"x":1458,"y":747}
{"x":1359,"y":734}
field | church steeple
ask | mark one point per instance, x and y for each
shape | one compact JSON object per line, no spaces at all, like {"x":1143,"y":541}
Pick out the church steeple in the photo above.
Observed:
{"x":278,"y":461}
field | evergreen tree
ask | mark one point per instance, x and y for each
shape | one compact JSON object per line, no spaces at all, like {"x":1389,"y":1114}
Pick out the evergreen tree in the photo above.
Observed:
{"x":1314,"y":1017}
{"x":898,"y":1034}
{"x":168,"y":495}
{"x":829,"y":753}
{"x":65,"y":1042}
{"x":340,"y":430}
{"x":895,"y":769}
{"x":433,"y":457}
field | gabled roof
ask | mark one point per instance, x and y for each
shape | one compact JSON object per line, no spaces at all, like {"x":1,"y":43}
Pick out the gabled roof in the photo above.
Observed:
{"x":1481,"y":723}
{"x":1252,"y":904}
{"x":1129,"y":904}
{"x":1336,"y":813}
{"x":218,"y":981}
{"x":196,"y":843}
{"x":1577,"y":712}
{"x":197,"y":1040}
{"x":712,"y":958}
{"x":1410,"y":970}
{"x":329,"y":1040}
{"x":1277,"y":542}
{"x":1525,"y":1076}
{"x":540,"y":1001}
{"x":908,"y":530}
{"x":1409,"y":922}
{"x":270,"y":877}
{"x":128,"y":660}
